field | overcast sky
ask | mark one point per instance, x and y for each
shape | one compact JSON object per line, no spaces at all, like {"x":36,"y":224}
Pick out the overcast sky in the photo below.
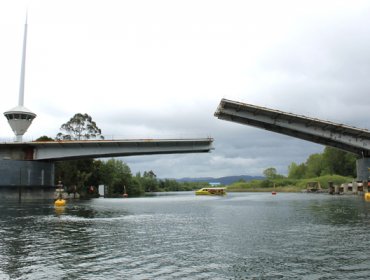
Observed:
{"x":158,"y":69}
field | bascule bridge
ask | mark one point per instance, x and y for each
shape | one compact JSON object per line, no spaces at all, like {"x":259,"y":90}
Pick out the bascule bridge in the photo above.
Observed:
{"x":344,"y":137}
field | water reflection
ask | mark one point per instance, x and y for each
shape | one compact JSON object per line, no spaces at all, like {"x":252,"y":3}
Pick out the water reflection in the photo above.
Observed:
{"x":347,"y":210}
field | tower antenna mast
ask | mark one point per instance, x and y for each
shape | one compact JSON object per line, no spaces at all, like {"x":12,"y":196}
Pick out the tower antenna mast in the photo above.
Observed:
{"x":23,"y":67}
{"x":20,"y":118}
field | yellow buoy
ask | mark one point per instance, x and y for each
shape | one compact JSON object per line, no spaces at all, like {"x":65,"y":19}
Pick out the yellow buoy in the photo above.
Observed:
{"x":60,"y":202}
{"x":367,"y":196}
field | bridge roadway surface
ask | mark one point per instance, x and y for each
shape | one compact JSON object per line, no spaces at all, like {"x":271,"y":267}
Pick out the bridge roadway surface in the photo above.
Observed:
{"x":344,"y":137}
{"x":67,"y":150}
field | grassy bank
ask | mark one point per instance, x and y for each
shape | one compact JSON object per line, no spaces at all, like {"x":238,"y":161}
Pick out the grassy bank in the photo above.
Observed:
{"x":286,"y":185}
{"x":277,"y":189}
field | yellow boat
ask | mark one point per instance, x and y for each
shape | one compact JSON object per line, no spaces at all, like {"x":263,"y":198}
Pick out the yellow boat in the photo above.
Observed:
{"x":211,"y":191}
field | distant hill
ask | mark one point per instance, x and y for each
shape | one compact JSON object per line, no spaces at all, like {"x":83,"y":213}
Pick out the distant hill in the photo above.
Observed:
{"x":222,"y":180}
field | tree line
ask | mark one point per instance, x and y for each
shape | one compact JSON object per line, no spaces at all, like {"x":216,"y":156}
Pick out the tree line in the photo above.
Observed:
{"x":330,"y":166}
{"x":331,"y":161}
{"x":84,"y":176}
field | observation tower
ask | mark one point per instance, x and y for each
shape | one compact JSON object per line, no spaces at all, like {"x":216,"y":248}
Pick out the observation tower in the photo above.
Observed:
{"x":19,"y":117}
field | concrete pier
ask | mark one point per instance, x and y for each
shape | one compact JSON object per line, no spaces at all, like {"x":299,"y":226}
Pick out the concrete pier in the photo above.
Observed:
{"x":24,"y":180}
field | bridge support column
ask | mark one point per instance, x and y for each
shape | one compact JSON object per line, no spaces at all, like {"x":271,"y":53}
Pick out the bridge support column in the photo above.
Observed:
{"x":363,"y":165}
{"x":29,"y":180}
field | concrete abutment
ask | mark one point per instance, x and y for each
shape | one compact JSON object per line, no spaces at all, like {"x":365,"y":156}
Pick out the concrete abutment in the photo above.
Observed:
{"x":26,"y":180}
{"x":362,"y":166}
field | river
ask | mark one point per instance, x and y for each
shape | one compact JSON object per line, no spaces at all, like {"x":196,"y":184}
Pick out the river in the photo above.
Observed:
{"x":183,"y":236}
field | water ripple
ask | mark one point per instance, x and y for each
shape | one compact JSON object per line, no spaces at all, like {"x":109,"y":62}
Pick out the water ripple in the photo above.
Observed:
{"x":237,"y":237}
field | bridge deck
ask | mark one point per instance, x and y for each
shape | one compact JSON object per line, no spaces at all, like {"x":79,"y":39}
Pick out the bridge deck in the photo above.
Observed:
{"x":64,"y":150}
{"x":348,"y":138}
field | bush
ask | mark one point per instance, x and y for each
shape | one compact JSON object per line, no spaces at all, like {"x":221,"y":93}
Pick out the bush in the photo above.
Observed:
{"x":285,"y":184}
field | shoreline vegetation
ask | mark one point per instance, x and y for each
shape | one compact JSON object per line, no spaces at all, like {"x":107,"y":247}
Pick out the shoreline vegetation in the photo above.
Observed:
{"x":292,"y":189}
{"x":286,"y":185}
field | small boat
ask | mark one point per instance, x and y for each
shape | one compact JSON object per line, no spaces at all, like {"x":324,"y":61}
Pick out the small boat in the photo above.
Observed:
{"x":211,"y":191}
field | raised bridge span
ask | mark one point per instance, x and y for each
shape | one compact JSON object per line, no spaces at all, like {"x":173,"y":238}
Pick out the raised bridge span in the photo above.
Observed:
{"x":344,"y":137}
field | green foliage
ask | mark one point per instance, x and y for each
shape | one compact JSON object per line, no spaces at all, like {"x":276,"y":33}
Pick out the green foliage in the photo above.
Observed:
{"x":116,"y":175}
{"x":261,"y":184}
{"x":296,"y":171}
{"x":135,"y":188}
{"x":77,"y":173}
{"x":96,"y":174}
{"x":331,"y":161}
{"x":79,"y":127}
{"x":266,"y":184}
{"x":314,"y":166}
{"x":173,"y":185}
{"x":168,"y":185}
{"x":149,"y":181}
{"x":44,"y":138}
{"x":270,"y":173}
{"x":287,"y":184}
{"x":339,"y":162}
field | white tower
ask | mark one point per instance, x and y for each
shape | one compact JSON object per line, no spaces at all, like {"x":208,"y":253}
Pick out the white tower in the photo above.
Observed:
{"x":20,"y":118}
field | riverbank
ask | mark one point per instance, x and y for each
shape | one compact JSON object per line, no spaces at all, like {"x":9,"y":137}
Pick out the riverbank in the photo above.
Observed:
{"x":288,"y":185}
{"x":290,"y":189}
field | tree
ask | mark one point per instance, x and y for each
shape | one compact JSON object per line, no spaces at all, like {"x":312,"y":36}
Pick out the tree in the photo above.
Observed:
{"x":331,"y":162}
{"x":76,"y":173}
{"x":270,"y":173}
{"x":338,"y":162}
{"x":296,"y":171}
{"x":314,"y":166}
{"x":79,"y":127}
{"x":135,"y":188}
{"x":81,"y":173}
{"x":96,"y":173}
{"x":149,"y":181}
{"x":116,"y":175}
{"x":44,"y":138}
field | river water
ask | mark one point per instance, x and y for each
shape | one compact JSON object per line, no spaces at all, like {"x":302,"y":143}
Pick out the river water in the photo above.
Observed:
{"x":183,"y":236}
